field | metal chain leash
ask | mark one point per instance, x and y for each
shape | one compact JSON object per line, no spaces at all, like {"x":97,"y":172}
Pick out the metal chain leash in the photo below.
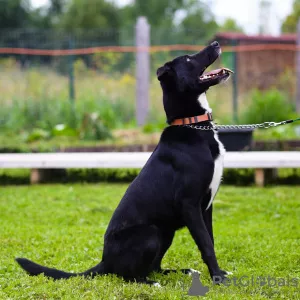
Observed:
{"x":245,"y":126}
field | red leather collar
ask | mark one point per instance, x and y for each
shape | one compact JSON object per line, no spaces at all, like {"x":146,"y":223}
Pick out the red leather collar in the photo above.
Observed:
{"x":193,"y":120}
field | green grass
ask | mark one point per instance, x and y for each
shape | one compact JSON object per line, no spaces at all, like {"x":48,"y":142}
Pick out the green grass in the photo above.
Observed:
{"x":257,"y":233}
{"x":37,"y":97}
{"x":34,"y":100}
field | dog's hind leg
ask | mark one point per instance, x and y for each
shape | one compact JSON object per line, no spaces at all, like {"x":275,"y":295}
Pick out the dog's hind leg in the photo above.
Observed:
{"x":166,"y":241}
{"x":131,"y":252}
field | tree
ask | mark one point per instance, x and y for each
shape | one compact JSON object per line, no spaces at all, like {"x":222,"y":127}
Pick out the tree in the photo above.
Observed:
{"x":158,"y":12}
{"x":57,"y":7}
{"x":173,"y":21}
{"x":93,"y":14}
{"x":48,"y":16}
{"x":14,"y":14}
{"x":198,"y":27}
{"x":290,"y":23}
{"x":230,"y":25}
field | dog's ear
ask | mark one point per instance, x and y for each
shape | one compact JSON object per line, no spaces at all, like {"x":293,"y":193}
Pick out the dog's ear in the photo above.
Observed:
{"x":163,"y":72}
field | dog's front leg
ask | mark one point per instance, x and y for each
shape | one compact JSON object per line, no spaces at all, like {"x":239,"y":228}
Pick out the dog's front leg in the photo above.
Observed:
{"x":207,"y":216}
{"x":196,"y":225}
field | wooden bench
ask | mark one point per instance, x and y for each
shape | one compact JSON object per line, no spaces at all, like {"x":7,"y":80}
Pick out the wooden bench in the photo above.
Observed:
{"x":40,"y":163}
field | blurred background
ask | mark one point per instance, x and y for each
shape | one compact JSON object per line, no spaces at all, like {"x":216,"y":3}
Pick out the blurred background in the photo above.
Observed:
{"x":72,"y":78}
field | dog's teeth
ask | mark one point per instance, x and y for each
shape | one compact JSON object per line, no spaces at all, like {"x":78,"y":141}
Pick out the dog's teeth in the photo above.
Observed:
{"x":228,"y":70}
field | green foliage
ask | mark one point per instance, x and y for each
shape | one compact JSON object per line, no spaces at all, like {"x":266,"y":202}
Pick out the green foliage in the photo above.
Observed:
{"x":101,"y":175}
{"x":159,"y":13}
{"x":107,"y":62}
{"x":93,"y":128}
{"x":290,"y":23}
{"x":63,"y":226}
{"x":35,"y":135}
{"x":281,"y":133}
{"x":14,"y":14}
{"x":157,"y":126}
{"x":48,"y":16}
{"x":288,"y":82}
{"x":44,"y":114}
{"x":37,"y":98}
{"x":63,"y":130}
{"x":237,"y":177}
{"x":198,"y":26}
{"x":96,"y":14}
{"x":43,"y":119}
{"x":271,"y":105}
{"x":230,"y":25}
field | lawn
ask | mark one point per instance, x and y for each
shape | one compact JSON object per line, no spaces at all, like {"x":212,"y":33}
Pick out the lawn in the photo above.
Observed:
{"x":257,"y":233}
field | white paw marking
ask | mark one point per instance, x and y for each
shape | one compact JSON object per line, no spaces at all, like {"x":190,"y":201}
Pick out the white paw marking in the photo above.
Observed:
{"x":192,"y":271}
{"x":157,"y":285}
{"x":229,"y":273}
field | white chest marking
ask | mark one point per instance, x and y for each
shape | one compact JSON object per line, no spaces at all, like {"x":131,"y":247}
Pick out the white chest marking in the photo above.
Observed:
{"x":219,"y":161}
{"x":218,"y":171}
{"x":204,"y":103}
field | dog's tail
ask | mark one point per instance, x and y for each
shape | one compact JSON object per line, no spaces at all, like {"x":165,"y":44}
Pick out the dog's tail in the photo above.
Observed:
{"x":34,"y":269}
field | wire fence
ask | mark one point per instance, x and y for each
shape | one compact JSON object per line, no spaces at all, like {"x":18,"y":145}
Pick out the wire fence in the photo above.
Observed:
{"x":151,"y":49}
{"x":94,"y":66}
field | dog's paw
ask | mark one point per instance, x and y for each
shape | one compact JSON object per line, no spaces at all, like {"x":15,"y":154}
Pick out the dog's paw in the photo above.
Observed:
{"x":190,"y":272}
{"x":156,"y":284}
{"x":226,"y":272}
{"x":218,"y":278}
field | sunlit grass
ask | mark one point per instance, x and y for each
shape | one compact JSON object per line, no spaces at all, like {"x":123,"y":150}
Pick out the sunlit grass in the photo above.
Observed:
{"x":256,"y":234}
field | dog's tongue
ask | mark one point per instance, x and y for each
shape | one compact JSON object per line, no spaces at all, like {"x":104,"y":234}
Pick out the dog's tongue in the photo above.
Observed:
{"x":215,"y":73}
{"x":219,"y":71}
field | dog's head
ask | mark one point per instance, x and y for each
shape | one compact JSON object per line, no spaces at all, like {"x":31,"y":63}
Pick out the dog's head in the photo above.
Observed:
{"x":183,"y":80}
{"x":186,"y":73}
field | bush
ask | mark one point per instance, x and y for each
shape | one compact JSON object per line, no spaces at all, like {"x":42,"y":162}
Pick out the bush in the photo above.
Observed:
{"x":265,"y":106}
{"x":42,"y":119}
{"x":237,"y":177}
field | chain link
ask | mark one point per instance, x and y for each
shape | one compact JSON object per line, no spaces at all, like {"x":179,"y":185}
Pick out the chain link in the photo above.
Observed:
{"x":233,"y":127}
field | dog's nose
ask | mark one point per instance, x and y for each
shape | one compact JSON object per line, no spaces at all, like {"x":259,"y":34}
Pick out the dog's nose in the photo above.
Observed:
{"x":215,"y":44}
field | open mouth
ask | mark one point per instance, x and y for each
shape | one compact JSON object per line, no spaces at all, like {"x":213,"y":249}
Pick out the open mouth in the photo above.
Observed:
{"x":220,"y":74}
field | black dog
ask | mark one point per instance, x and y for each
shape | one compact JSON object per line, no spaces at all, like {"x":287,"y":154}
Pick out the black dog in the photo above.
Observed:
{"x":175,"y":188}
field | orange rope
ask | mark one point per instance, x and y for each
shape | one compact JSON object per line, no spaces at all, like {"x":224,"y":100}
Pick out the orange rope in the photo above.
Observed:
{"x":152,"y":49}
